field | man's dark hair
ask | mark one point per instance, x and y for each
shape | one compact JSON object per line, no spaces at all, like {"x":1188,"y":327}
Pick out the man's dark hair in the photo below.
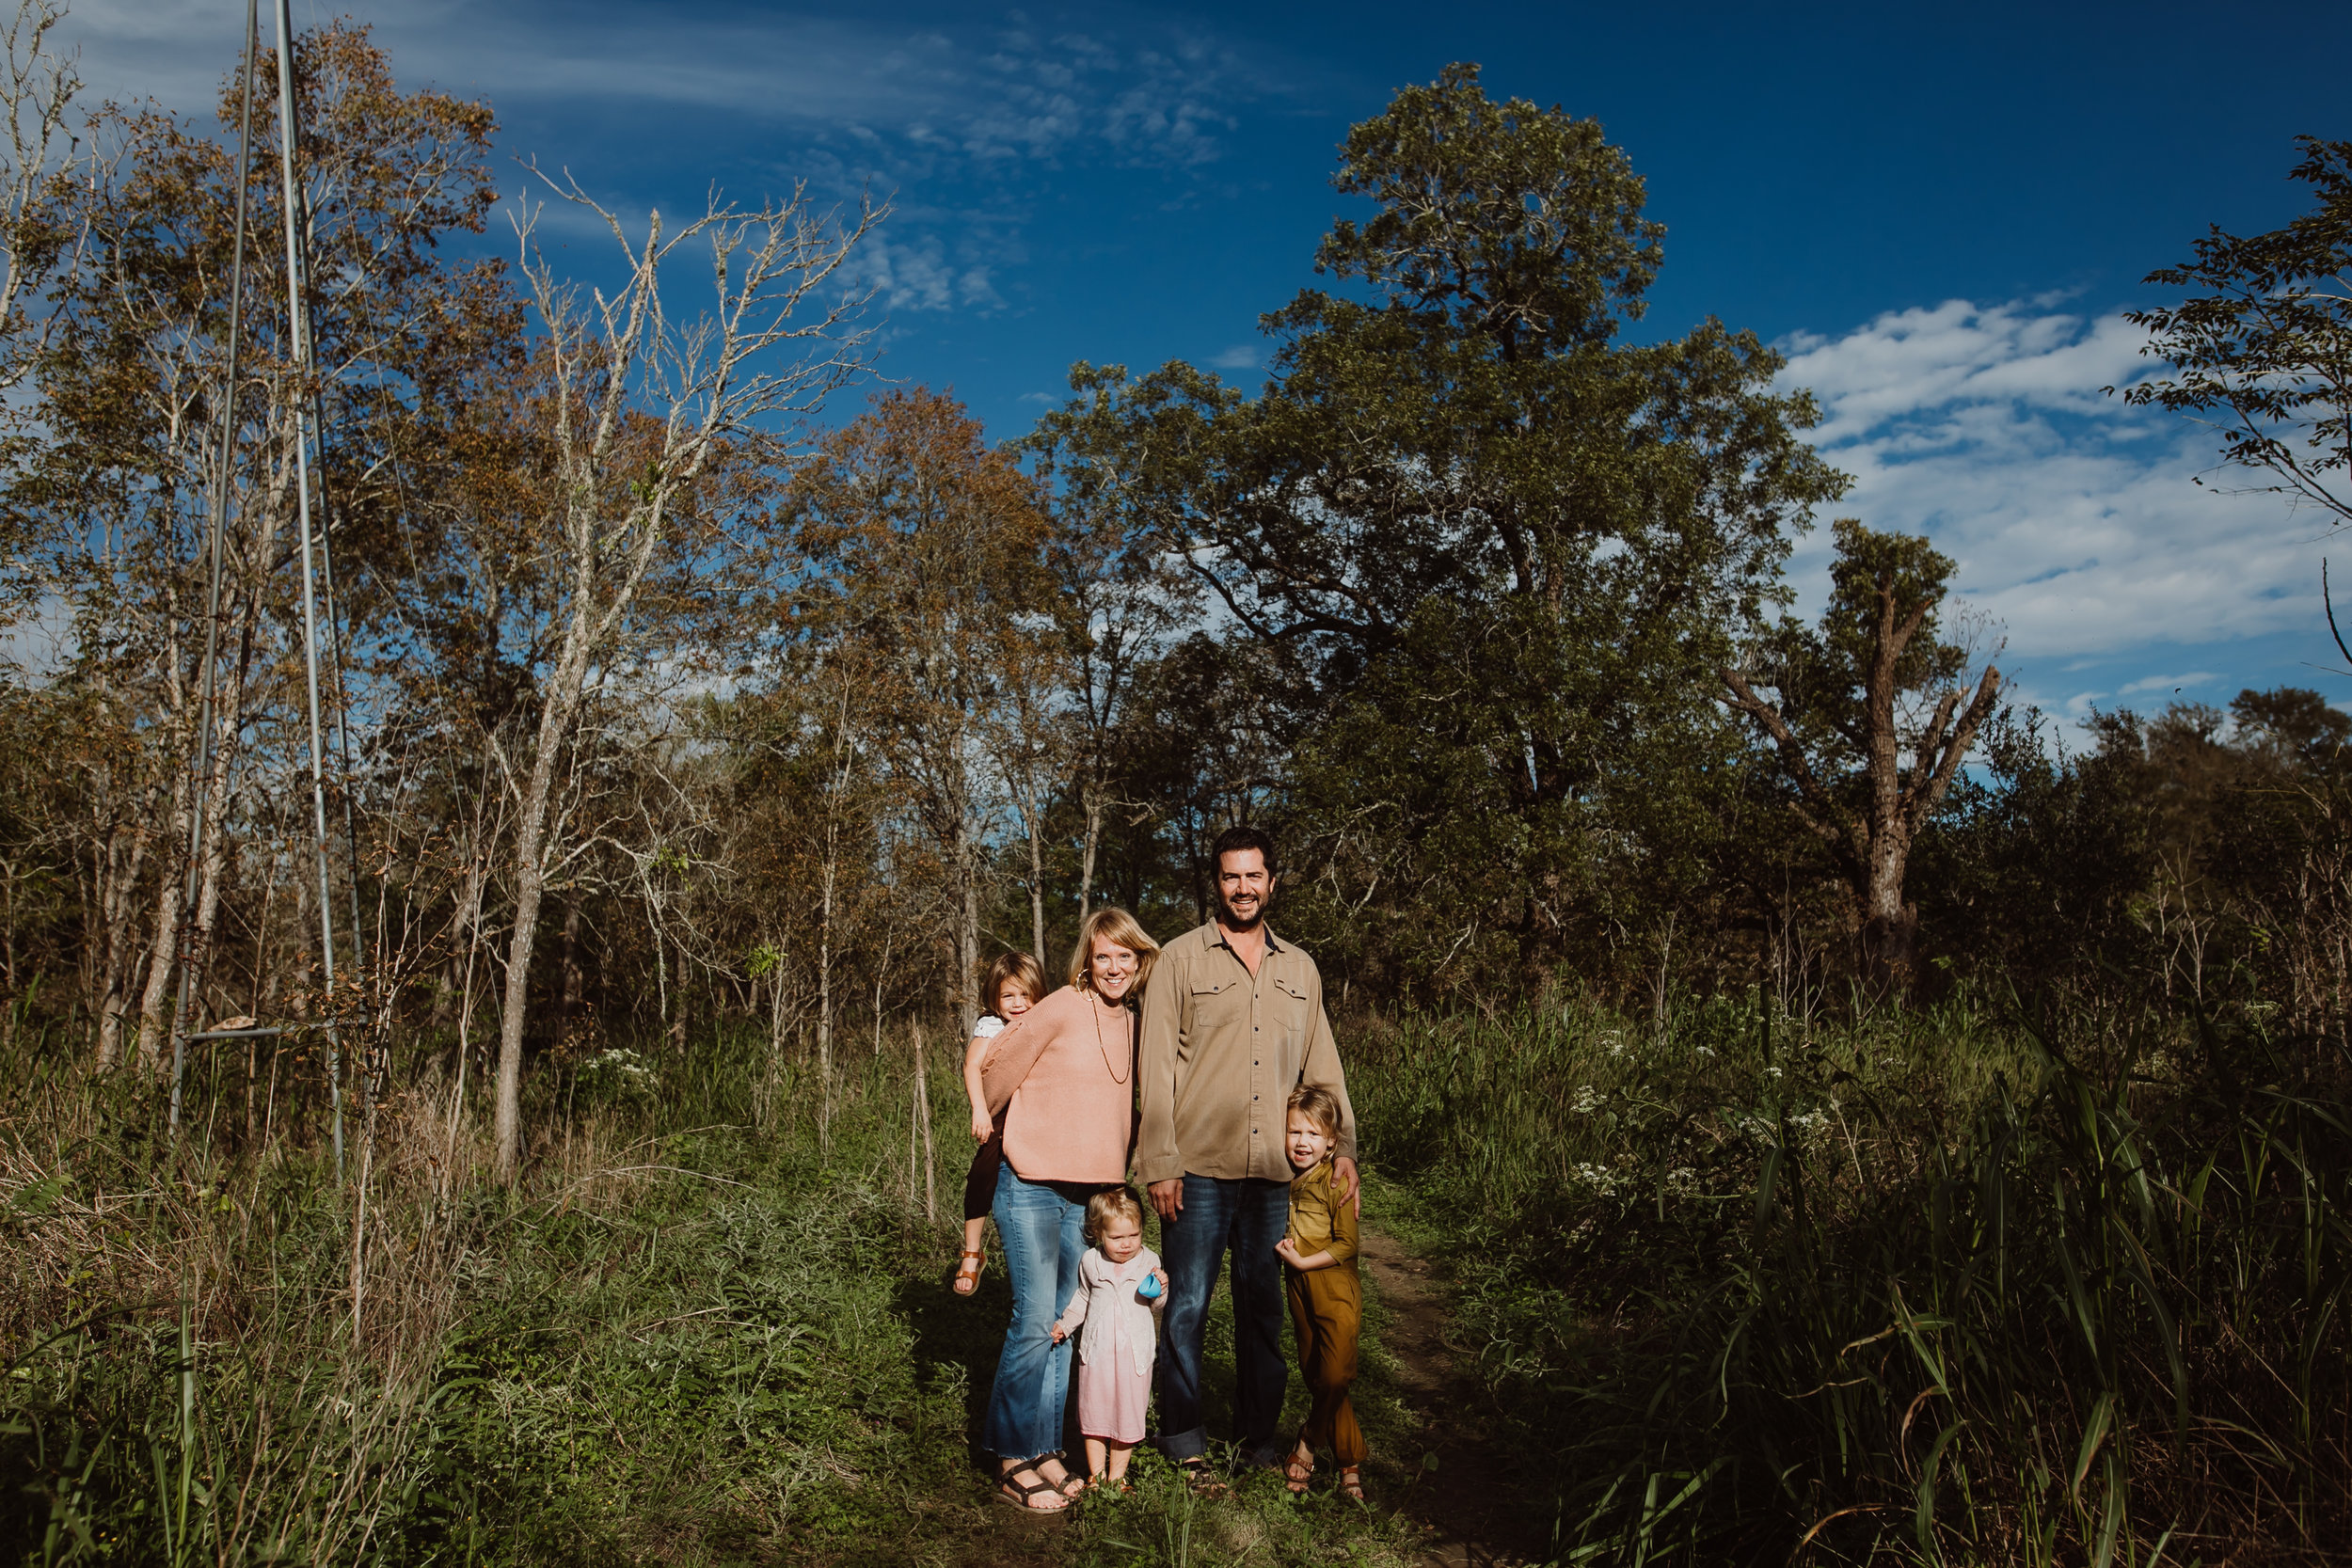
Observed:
{"x":1234,"y":840}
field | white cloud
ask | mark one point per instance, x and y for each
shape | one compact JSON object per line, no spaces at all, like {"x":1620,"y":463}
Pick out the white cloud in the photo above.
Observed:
{"x":919,"y":273}
{"x":985,"y":109}
{"x":2162,"y":683}
{"x":1241,"y":356}
{"x":985,"y":94}
{"x":2075,"y":521}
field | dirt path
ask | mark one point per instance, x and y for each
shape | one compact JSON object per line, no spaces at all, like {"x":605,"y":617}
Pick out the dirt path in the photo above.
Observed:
{"x":1468,"y":1500}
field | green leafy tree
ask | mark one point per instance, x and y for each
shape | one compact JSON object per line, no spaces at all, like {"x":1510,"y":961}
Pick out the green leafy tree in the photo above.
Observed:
{"x":1501,"y":545}
{"x":2264,"y":350}
{"x":1871,"y":722}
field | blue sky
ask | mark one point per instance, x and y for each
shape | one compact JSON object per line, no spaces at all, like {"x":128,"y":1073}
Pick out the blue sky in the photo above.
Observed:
{"x":1937,"y":212}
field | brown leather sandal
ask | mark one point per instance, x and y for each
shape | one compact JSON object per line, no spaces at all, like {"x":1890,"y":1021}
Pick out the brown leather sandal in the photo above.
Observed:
{"x":968,"y":1272}
{"x":1352,"y":1481}
{"x":1028,"y":1497}
{"x":1298,"y":1469}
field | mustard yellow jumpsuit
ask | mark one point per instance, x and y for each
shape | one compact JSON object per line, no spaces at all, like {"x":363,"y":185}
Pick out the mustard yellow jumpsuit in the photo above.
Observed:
{"x":1328,"y":1309}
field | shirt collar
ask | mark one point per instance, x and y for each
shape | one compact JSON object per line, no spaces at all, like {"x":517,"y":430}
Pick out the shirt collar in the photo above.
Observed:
{"x":1271,"y":945}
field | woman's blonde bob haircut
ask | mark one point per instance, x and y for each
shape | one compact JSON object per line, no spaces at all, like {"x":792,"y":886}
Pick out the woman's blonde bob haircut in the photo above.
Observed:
{"x":1121,"y":929}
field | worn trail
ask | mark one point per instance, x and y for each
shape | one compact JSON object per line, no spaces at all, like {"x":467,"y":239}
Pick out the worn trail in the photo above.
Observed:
{"x":1472,"y":1500}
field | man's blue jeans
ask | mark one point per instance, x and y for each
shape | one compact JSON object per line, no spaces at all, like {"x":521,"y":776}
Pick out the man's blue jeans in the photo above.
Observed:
{"x":1043,"y":1225}
{"x":1245,"y":1217}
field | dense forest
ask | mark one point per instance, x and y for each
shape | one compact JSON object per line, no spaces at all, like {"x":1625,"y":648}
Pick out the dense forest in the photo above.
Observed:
{"x":647,"y":709}
{"x":456,"y":706}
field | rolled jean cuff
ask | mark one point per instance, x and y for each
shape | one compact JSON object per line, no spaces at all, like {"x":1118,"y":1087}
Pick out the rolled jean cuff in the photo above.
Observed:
{"x":1178,"y":1447}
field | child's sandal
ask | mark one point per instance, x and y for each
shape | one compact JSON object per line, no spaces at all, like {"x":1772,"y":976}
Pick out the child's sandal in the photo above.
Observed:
{"x":968,"y":1272}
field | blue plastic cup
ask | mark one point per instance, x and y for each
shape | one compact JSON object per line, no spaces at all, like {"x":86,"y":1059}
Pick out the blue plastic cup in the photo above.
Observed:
{"x":1149,"y":1286}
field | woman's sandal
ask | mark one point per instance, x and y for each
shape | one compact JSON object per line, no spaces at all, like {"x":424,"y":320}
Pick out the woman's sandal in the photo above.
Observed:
{"x":1352,"y":1481}
{"x":1016,"y":1493}
{"x":1072,"y":1486}
{"x":1296,"y":1471}
{"x":968,"y":1272}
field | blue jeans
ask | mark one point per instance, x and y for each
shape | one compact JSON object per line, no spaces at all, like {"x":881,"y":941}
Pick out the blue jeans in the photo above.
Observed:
{"x":1245,"y":1217}
{"x":1042,"y":1226}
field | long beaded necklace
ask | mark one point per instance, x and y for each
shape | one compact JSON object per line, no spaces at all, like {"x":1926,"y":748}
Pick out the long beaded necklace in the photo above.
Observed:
{"x":1095,"y":1011}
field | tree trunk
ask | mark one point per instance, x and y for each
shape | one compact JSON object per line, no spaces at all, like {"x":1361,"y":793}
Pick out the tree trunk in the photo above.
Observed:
{"x":824,"y":998}
{"x":123,"y":855}
{"x":968,"y":937}
{"x":164,"y":950}
{"x":555,"y":725}
{"x":921,"y":1142}
{"x":527,"y":883}
{"x":1037,"y":899}
{"x":1093,"y":797}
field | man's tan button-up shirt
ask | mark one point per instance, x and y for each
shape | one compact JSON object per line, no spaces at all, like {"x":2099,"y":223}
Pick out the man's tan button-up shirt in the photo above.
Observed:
{"x":1219,"y":1053}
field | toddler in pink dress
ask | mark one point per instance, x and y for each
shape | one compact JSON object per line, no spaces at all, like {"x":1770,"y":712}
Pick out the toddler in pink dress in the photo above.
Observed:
{"x":1121,"y":1289}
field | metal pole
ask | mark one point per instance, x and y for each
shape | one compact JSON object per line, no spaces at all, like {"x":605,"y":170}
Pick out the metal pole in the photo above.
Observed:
{"x":335,"y":650}
{"x":297,"y":324}
{"x":193,"y":957}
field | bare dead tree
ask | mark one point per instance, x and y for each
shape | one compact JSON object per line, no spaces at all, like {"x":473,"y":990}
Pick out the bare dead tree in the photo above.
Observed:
{"x":644,"y":408}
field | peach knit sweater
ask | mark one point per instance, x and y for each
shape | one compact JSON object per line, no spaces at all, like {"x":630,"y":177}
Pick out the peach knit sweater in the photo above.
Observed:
{"x":1066,"y":1069}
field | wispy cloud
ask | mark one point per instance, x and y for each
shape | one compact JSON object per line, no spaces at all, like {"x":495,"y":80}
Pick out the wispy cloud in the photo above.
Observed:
{"x":1146,"y":93}
{"x":1241,"y":356}
{"x":919,"y":274}
{"x":2074,"y":520}
{"x":963,"y":125}
{"x":2167,"y":683}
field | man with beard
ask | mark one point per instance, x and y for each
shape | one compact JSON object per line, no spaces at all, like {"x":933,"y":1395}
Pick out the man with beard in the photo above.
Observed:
{"x":1233,"y":1022}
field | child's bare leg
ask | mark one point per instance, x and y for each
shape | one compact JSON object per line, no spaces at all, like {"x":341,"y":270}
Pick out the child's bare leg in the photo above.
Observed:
{"x":972,"y":1233}
{"x":1094,"y":1457}
{"x":1120,"y":1453}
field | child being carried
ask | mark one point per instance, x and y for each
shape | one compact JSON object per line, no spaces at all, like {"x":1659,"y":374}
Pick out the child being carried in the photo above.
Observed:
{"x":1014,"y":985}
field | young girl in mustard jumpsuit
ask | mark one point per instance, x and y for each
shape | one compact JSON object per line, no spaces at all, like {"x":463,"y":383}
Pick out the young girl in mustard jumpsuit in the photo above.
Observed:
{"x":1327,"y":1298}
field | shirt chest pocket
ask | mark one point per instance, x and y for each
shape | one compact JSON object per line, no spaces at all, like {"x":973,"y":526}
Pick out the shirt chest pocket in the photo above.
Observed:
{"x":1219,"y":1005}
{"x":1286,"y":1010}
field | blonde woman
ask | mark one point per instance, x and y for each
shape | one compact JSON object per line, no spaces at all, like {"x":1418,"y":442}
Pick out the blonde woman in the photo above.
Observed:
{"x":1061,"y":1082}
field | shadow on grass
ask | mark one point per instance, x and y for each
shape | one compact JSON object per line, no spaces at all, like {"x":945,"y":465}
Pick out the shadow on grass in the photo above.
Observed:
{"x":958,"y":1338}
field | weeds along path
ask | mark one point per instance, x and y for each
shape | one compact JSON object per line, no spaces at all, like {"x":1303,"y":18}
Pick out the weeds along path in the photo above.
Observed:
{"x":1473,"y":1502}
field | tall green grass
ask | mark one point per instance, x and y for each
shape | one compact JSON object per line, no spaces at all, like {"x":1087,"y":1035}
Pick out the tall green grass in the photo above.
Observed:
{"x":711,"y":1324}
{"x":682,"y":1336}
{"x":1947,"y":1286}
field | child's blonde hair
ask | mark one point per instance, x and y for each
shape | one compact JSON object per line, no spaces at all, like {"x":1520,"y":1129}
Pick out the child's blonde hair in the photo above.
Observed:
{"x":1112,"y":1202}
{"x":1321,"y":1107}
{"x":1012,"y":969}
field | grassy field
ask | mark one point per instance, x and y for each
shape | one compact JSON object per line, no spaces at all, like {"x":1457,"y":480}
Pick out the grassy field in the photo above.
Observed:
{"x":686,"y":1338}
{"x":1935,"y":1287}
{"x":1949,"y":1286}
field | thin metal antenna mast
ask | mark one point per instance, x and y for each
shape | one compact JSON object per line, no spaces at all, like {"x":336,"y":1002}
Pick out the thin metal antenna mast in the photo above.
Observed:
{"x":297,"y":321}
{"x":335,"y":640}
{"x":193,"y":954}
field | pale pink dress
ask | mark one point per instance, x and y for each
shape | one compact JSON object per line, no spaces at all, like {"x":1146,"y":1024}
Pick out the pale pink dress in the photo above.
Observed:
{"x":1114,"y":1349}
